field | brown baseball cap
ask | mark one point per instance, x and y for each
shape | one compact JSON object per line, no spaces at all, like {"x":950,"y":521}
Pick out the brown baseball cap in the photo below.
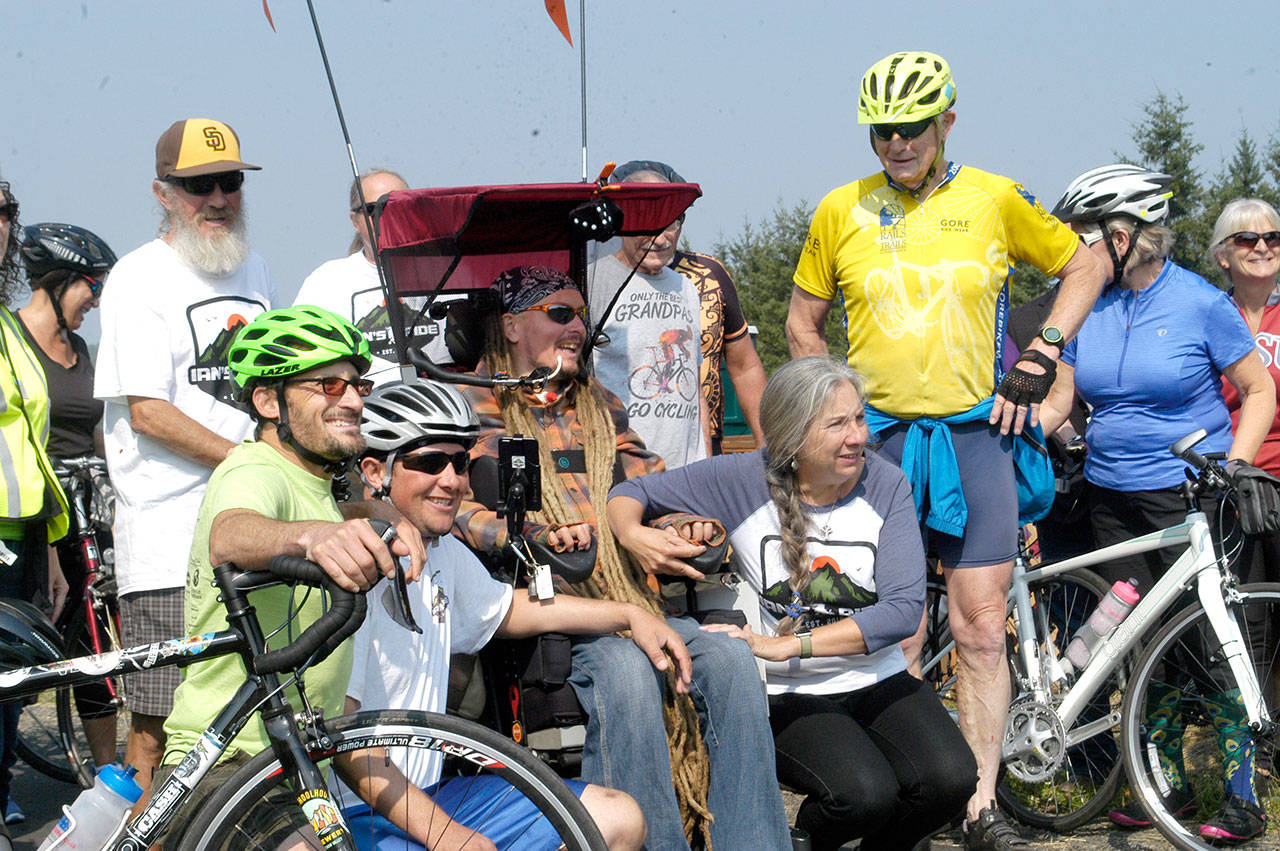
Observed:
{"x":197,"y":146}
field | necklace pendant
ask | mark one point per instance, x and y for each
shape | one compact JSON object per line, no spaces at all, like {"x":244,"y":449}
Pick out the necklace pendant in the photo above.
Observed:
{"x":825,"y":531}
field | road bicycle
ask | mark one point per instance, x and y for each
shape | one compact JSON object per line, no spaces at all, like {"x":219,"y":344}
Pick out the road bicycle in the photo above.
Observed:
{"x":68,"y":733}
{"x":285,"y":796}
{"x":1198,"y":641}
{"x":663,"y":376}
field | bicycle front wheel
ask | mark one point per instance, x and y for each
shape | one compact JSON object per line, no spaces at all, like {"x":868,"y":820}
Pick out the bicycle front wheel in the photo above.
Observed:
{"x":1089,"y":772}
{"x":1184,"y":727}
{"x":257,"y":809}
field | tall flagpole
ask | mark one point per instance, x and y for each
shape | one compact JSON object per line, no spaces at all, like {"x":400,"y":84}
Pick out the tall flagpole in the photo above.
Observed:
{"x":582,"y":62}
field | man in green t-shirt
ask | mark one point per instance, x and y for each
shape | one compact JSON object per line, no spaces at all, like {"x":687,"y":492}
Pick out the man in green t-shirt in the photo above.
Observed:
{"x":298,"y":370}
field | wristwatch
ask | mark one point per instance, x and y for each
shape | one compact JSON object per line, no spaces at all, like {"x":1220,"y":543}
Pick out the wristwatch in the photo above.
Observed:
{"x":806,"y":646}
{"x":1052,"y":335}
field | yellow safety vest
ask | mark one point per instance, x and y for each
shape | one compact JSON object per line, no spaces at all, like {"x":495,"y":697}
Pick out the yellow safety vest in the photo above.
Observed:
{"x":26,"y":474}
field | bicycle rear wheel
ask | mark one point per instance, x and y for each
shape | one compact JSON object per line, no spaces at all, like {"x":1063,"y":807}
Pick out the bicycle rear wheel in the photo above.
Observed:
{"x":256,"y":809}
{"x":1089,"y":773}
{"x":54,"y":735}
{"x":1182,"y":705}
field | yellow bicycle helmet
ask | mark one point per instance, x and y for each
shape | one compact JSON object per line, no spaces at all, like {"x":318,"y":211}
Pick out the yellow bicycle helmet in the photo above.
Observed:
{"x":908,"y":86}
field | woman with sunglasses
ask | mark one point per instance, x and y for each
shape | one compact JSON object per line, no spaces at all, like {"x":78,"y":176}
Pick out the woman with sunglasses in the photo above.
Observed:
{"x":1246,"y":245}
{"x":66,"y":267}
{"x":585,"y":447}
{"x":1149,"y":361}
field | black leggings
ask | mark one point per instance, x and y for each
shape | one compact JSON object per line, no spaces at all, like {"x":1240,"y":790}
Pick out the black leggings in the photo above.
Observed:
{"x":885,"y":763}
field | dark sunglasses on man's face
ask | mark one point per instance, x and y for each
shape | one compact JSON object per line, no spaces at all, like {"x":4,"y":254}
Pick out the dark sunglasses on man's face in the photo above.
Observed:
{"x":227,"y":181}
{"x":909,"y":130}
{"x":1248,"y":239}
{"x":561,"y":314}
{"x":336,"y":385}
{"x":433,"y":463}
{"x":95,"y":285}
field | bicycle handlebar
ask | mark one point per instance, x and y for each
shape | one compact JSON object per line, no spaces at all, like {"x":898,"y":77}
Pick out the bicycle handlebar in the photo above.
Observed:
{"x":1211,"y":472}
{"x":322,"y":637}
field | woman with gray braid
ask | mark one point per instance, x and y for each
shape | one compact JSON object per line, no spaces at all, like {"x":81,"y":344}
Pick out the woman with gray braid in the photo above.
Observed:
{"x":825,"y":532}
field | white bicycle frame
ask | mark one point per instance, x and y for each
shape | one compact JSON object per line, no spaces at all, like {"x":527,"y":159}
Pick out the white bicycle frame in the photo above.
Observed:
{"x":1198,"y":563}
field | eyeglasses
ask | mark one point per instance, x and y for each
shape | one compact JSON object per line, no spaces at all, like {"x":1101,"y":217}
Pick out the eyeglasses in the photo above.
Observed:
{"x":336,"y":385}
{"x":907,"y":130}
{"x":561,"y":314}
{"x":367,"y":209}
{"x":227,"y":181}
{"x":433,"y":463}
{"x":1248,"y":239}
{"x":9,"y":210}
{"x":95,"y":285}
{"x":679,"y":222}
{"x":1090,"y":237}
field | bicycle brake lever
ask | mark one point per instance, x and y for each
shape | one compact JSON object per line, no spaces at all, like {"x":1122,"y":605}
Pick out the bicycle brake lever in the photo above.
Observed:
{"x":395,"y":598}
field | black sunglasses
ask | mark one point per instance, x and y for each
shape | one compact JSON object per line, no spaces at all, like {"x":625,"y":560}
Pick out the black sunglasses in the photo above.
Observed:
{"x":95,"y":285}
{"x":1248,"y":239}
{"x":433,"y":463}
{"x":367,"y":209}
{"x":907,"y":130}
{"x":9,"y":209}
{"x":561,"y":314}
{"x":227,"y":181}
{"x":336,"y":385}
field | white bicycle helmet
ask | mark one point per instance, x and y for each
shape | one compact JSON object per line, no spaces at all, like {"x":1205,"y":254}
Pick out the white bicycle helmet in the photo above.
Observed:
{"x":400,"y":413}
{"x":1119,"y":189}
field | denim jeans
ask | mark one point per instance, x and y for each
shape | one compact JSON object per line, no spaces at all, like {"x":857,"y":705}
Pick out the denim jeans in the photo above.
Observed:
{"x":626,"y":745}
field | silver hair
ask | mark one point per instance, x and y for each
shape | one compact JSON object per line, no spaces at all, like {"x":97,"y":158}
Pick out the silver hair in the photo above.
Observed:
{"x":1151,"y":242}
{"x":1235,"y":217}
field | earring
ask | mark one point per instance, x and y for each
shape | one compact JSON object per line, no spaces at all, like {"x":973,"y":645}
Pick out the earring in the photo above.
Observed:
{"x":795,"y":465}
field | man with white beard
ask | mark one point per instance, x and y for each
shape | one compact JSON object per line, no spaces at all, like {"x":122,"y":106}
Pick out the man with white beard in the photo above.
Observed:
{"x":168,"y":318}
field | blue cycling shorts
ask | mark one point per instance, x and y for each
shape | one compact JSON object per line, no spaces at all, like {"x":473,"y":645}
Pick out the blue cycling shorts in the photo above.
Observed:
{"x":486,"y":803}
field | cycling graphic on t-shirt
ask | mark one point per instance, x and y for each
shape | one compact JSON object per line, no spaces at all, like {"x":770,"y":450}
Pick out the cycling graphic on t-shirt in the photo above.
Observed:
{"x":667,"y":373}
{"x":214,"y":324}
{"x":836,"y":589}
{"x":369,"y":313}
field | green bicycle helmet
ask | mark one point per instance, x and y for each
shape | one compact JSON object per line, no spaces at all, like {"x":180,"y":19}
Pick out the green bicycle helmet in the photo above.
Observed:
{"x":907,"y":86}
{"x":281,"y":343}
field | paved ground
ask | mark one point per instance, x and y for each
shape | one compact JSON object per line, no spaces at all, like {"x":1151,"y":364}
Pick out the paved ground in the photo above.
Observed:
{"x":42,"y":798}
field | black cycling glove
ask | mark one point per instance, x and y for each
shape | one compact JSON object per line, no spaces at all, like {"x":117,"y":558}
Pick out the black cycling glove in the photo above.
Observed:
{"x":1021,"y":387}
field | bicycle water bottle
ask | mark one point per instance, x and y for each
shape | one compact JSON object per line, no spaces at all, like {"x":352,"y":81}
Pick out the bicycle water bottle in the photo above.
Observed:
{"x":1112,"y":609}
{"x":97,"y":813}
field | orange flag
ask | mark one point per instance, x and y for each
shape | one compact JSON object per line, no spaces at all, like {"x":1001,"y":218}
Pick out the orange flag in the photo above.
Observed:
{"x":555,"y":8}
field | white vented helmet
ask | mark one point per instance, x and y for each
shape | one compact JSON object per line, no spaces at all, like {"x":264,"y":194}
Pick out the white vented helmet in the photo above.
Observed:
{"x":1119,"y":189}
{"x":401,"y":413}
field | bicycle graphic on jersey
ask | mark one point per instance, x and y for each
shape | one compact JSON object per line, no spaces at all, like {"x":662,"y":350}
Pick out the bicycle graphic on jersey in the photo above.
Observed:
{"x":667,"y":374}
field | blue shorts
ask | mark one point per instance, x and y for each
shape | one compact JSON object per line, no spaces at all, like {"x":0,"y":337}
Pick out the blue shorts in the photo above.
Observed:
{"x":487,"y":803}
{"x":985,"y":459}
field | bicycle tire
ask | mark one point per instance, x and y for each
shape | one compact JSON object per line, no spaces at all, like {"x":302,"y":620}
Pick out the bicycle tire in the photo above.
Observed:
{"x":686,"y":384}
{"x":51,"y":737}
{"x":242,"y":815}
{"x":96,"y":698}
{"x":645,"y":382}
{"x":1181,"y":658}
{"x":1090,"y":771}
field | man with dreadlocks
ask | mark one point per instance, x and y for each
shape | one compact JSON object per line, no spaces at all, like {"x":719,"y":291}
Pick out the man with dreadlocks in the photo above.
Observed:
{"x":717,"y":774}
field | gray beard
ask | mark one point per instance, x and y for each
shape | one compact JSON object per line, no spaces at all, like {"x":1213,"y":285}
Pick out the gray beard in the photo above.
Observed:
{"x":218,"y":256}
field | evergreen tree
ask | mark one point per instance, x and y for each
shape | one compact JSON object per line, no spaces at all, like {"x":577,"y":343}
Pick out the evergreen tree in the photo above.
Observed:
{"x":1165,"y":143}
{"x":762,"y":260}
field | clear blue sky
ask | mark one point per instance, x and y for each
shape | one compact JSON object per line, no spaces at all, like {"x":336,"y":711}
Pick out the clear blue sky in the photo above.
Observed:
{"x":753,"y":100}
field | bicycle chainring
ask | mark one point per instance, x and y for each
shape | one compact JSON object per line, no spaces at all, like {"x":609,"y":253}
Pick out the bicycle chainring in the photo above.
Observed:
{"x":1034,"y":741}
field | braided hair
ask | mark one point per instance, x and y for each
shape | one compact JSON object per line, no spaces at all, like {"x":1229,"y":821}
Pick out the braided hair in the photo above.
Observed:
{"x":11,"y":268}
{"x":792,"y":401}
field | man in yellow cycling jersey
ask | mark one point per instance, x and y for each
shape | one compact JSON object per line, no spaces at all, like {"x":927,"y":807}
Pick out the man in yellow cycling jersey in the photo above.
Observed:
{"x":920,"y":253}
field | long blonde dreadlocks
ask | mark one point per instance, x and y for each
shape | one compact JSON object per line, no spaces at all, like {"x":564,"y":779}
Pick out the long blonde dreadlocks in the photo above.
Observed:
{"x":616,"y":576}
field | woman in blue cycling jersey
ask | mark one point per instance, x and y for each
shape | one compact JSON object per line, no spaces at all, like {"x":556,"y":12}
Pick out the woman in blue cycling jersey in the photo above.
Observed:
{"x":1149,"y":361}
